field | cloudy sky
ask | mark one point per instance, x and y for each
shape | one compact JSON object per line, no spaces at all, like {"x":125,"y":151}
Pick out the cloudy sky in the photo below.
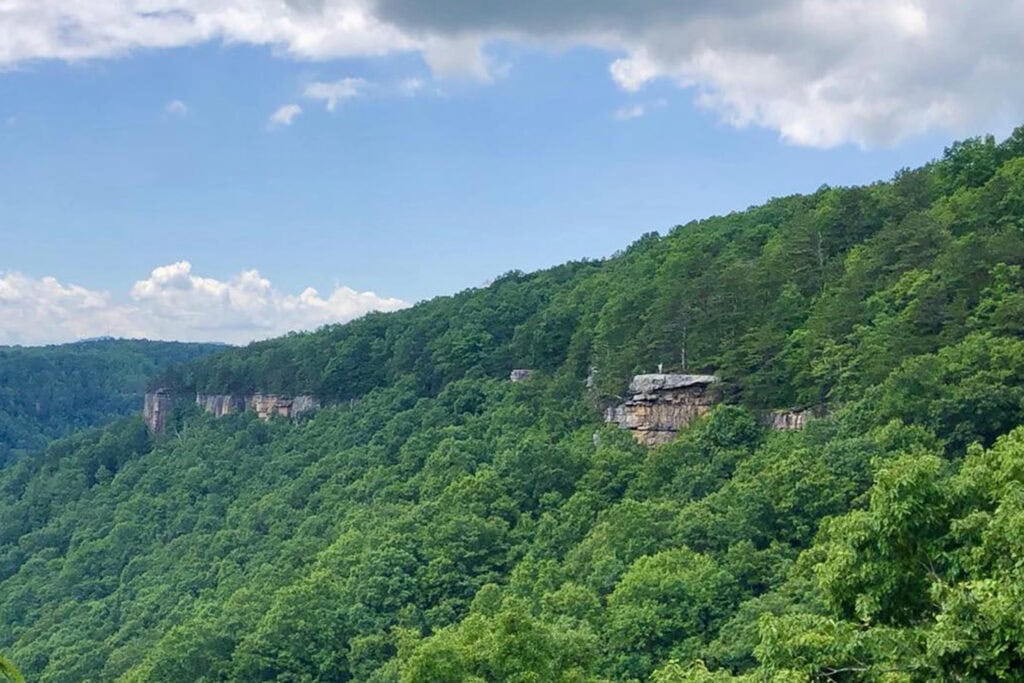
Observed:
{"x":232,"y":169}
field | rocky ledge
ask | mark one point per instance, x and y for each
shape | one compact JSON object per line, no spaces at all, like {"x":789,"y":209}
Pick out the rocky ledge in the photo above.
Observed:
{"x":659,"y":405}
{"x":158,"y":405}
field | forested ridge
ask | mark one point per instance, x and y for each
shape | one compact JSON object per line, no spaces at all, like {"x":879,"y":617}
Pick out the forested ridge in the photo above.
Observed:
{"x":437,"y":522}
{"x":50,"y":391}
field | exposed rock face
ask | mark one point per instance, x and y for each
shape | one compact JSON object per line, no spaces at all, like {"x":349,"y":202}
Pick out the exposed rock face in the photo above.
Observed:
{"x":303,"y":404}
{"x":520,"y":375}
{"x":269,"y":405}
{"x":219,"y":405}
{"x":264,"y":405}
{"x":787,"y":420}
{"x":156,"y":408}
{"x":649,"y":385}
{"x":662,"y":404}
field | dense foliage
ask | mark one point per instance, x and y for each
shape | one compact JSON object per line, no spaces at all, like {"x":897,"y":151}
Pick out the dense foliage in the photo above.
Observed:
{"x":48,"y":392}
{"x":804,"y":300}
{"x":9,"y":673}
{"x":440,"y":523}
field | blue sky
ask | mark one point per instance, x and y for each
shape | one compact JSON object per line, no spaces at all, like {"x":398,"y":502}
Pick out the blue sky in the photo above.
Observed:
{"x":427,"y":180}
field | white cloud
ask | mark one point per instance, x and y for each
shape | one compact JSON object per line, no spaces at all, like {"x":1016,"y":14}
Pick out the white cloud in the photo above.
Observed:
{"x":821,"y":72}
{"x":635,"y":111}
{"x":54,"y":29}
{"x":331,"y":93}
{"x":459,"y":55}
{"x":409,"y":87}
{"x":172,"y":303}
{"x":335,"y":91}
{"x":285,"y":115}
{"x":176,"y":108}
{"x":635,"y":71}
{"x":632,"y":111}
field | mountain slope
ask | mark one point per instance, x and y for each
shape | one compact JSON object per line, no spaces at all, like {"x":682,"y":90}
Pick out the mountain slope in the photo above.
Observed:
{"x":48,"y":392}
{"x":790,"y":302}
{"x":439,"y":523}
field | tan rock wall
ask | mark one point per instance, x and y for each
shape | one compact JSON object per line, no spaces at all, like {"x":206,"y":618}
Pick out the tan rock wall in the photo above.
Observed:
{"x":661,"y":405}
{"x":157,"y":406}
{"x":220,"y":405}
{"x":271,"y":405}
{"x":265,"y":406}
{"x":156,"y":409}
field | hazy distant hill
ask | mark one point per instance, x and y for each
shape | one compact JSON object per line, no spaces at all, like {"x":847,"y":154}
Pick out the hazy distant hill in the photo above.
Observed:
{"x":49,"y":391}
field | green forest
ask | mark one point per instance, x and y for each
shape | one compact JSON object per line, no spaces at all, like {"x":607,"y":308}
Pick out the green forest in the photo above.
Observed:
{"x":436,"y":522}
{"x":48,"y":392}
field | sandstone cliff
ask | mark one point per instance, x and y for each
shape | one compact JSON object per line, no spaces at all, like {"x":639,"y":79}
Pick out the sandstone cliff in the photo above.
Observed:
{"x":156,"y":408}
{"x":269,"y":405}
{"x":264,"y":405}
{"x":662,"y":404}
{"x":219,"y":405}
{"x":659,"y":405}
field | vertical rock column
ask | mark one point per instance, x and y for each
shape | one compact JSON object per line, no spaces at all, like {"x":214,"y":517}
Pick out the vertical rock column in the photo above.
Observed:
{"x":156,"y":409}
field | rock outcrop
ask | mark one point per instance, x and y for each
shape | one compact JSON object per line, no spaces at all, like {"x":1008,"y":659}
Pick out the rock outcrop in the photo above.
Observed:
{"x":788,"y":420}
{"x":520,"y":374}
{"x":303,"y":403}
{"x":269,"y":405}
{"x":156,"y":408}
{"x":264,"y":405}
{"x":662,"y":404}
{"x":220,"y":405}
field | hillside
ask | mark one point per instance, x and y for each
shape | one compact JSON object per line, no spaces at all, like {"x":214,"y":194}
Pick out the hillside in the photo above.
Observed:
{"x":48,"y":392}
{"x":437,"y":522}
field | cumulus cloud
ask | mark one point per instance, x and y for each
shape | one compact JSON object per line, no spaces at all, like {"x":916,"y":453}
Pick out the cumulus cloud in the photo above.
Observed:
{"x":333,"y":92}
{"x":285,"y":115}
{"x":172,"y":303}
{"x":313,"y":29}
{"x":821,"y":72}
{"x":176,"y":108}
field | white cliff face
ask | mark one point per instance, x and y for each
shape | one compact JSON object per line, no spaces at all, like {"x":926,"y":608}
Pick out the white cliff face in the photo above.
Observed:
{"x":520,"y":374}
{"x":304,"y":404}
{"x":788,"y":420}
{"x":265,"y":406}
{"x":219,"y":405}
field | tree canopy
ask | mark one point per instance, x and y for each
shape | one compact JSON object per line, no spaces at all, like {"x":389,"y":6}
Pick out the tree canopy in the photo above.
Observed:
{"x":437,"y":522}
{"x":48,"y":392}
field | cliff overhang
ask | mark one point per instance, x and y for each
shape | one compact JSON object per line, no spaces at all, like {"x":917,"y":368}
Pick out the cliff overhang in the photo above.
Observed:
{"x":659,"y":405}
